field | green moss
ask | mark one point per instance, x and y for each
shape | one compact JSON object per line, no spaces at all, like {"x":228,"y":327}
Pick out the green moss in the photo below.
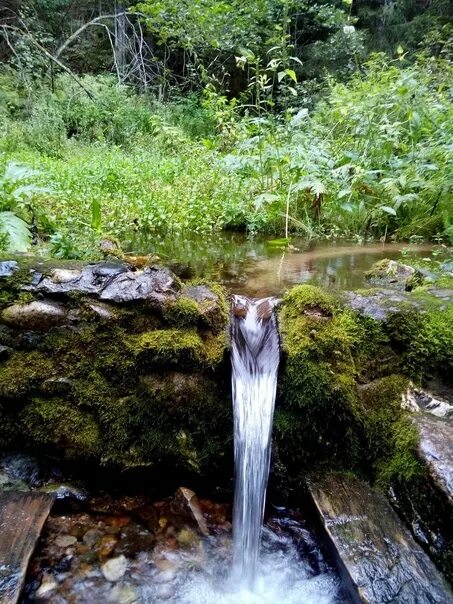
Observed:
{"x":391,"y":437}
{"x":305,"y":299}
{"x":56,"y":424}
{"x":23,"y":373}
{"x":424,"y":341}
{"x":182,"y":312}
{"x":316,"y":422}
{"x":169,"y":347}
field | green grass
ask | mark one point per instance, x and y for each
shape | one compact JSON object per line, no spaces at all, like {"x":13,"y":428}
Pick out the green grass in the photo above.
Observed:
{"x":373,"y":160}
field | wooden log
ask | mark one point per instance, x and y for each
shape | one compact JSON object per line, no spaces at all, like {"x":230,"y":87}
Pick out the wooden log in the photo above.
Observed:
{"x":22,"y":517}
{"x":374,"y":550}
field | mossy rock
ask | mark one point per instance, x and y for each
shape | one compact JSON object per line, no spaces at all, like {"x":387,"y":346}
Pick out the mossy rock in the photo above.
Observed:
{"x":59,"y":426}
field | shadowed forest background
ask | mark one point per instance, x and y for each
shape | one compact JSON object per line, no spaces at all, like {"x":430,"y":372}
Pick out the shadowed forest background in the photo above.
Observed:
{"x":166,"y":118}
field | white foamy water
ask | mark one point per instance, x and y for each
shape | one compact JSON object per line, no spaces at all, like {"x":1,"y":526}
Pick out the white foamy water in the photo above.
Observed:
{"x":283,"y":574}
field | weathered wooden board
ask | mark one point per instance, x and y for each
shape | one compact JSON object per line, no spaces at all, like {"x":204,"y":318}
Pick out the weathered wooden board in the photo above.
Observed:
{"x":22,"y":516}
{"x":373,"y":547}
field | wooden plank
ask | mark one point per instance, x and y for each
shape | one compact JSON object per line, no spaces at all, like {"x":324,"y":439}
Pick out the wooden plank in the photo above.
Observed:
{"x":22,"y":517}
{"x":374,"y":549}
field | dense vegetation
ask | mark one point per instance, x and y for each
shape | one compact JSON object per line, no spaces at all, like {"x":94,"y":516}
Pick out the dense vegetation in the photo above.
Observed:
{"x":278,"y":116}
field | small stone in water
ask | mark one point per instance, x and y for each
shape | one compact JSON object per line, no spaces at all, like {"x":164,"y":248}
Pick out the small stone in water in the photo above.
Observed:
{"x":91,"y":537}
{"x":115,"y":569}
{"x":123,"y":594}
{"x":48,"y":585}
{"x":106,"y":546}
{"x":65,"y":540}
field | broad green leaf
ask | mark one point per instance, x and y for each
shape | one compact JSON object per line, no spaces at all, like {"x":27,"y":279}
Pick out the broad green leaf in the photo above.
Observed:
{"x":16,"y":172}
{"x":292,"y":74}
{"x":388,"y":210}
{"x":19,"y":236}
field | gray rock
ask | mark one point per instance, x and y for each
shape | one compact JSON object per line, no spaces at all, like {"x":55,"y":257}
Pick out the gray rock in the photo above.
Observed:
{"x":8,"y":268}
{"x":64,"y":492}
{"x":23,"y":468}
{"x":56,"y":385}
{"x":418,"y":400}
{"x":5,"y":351}
{"x":447,"y":267}
{"x":153,"y":284}
{"x":89,"y":280}
{"x":65,"y":541}
{"x":436,"y":449}
{"x":379,"y":555}
{"x":391,"y":273}
{"x":115,"y":568}
{"x":35,"y":316}
{"x":379,"y":304}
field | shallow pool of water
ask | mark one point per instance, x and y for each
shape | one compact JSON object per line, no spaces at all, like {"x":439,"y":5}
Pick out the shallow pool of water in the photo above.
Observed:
{"x":259,"y":268}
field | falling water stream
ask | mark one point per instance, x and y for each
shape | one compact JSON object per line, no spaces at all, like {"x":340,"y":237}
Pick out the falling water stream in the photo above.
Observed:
{"x":255,"y":358}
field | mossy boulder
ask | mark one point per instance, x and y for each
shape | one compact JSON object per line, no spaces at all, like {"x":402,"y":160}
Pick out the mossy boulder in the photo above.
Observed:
{"x":73,"y":381}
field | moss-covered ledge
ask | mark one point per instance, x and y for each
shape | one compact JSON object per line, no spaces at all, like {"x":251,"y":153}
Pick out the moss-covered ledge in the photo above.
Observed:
{"x":111,"y":365}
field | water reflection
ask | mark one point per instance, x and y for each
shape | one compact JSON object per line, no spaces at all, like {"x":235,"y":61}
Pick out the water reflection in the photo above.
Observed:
{"x":257,"y":268}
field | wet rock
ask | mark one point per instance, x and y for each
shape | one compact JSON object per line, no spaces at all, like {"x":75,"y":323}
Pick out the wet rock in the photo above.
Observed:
{"x":102,"y":312}
{"x":123,"y":594}
{"x":442,"y":294}
{"x":106,"y":546}
{"x":153,"y":284}
{"x":379,"y":305}
{"x":417,"y":400}
{"x":35,"y":316}
{"x":8,"y":268}
{"x":92,"y":537}
{"x":89,"y":280}
{"x":436,"y":449}
{"x":115,"y":569}
{"x":447,"y":267}
{"x":47,"y":587}
{"x":134,"y":540}
{"x":394,"y":274}
{"x":65,"y":492}
{"x":22,"y":468}
{"x":379,"y":555}
{"x":57,"y":385}
{"x":167,"y":571}
{"x":65,"y":541}
{"x":185,"y":503}
{"x":5,"y":352}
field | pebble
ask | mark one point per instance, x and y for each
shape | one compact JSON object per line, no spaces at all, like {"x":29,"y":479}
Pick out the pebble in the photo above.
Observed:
{"x":115,"y":569}
{"x":123,"y":594}
{"x":65,"y":540}
{"x":91,"y":537}
{"x":48,"y":585}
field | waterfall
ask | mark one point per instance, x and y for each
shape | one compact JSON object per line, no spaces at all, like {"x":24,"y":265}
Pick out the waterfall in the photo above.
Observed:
{"x":255,"y":358}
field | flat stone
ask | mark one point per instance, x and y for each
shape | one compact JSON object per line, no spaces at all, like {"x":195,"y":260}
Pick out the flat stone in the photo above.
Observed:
{"x":115,"y":568}
{"x":65,"y":541}
{"x":436,"y":449}
{"x":185,"y":503}
{"x":35,"y":316}
{"x":8,"y":268}
{"x":418,"y":400}
{"x":380,"y":304}
{"x":89,"y":280}
{"x":153,"y":284}
{"x":381,"y":561}
{"x":64,"y":492}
